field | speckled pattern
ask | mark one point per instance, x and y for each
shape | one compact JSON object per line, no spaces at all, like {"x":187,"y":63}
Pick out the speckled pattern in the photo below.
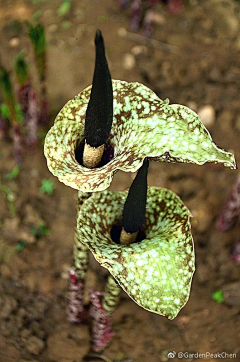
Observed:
{"x":143,"y":126}
{"x":156,"y":272}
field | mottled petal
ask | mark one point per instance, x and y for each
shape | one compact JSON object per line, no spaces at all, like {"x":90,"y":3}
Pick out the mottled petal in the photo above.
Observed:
{"x":155,"y":272}
{"x":143,"y":126}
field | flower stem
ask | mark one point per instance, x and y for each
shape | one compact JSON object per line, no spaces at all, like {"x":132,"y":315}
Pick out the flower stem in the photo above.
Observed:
{"x":75,"y":309}
{"x":38,"y":38}
{"x":111,"y":295}
{"x":101,"y":313}
{"x":101,"y":323}
{"x":103,"y":306}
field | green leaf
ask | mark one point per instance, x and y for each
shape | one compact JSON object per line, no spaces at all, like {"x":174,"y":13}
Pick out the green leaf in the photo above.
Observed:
{"x":40,"y":230}
{"x":37,"y":37}
{"x":21,"y":245}
{"x":103,"y":19}
{"x":14,"y":173}
{"x":6,"y":87}
{"x":21,"y":69}
{"x":4,"y":111}
{"x":155,"y":272}
{"x":64,"y":8}
{"x":19,"y":113}
{"x":37,"y":15}
{"x":47,"y":186}
{"x":218,"y":296}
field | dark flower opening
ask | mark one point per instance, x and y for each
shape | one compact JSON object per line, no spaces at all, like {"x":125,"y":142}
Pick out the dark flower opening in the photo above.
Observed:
{"x":107,"y":156}
{"x":116,"y":231}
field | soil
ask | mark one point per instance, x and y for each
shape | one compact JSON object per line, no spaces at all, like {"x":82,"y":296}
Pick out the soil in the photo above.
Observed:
{"x":192,"y":58}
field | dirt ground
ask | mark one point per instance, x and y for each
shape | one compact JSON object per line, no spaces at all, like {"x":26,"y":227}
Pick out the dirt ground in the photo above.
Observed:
{"x":192,"y":58}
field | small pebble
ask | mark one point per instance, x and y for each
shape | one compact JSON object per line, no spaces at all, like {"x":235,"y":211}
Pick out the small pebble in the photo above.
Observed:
{"x":14,"y":42}
{"x":192,"y":105}
{"x":159,"y":18}
{"x":8,"y":305}
{"x":35,"y":345}
{"x":52,"y":28}
{"x":139,"y":49}
{"x":122,"y":32}
{"x":11,"y":224}
{"x":27,"y":236}
{"x":25,"y":334}
{"x":34,"y":172}
{"x":207,"y":115}
{"x":128,"y":61}
{"x":212,"y":339}
{"x":231,"y":294}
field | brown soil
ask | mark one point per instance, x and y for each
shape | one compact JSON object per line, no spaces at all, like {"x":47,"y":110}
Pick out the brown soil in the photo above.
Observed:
{"x":201,"y":67}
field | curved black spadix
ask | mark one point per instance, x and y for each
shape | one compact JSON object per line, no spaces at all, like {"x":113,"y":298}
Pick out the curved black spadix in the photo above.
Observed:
{"x":99,"y":114}
{"x":135,"y":205}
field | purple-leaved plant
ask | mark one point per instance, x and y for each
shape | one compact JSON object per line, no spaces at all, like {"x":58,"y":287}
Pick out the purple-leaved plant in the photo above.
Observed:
{"x":15,"y":113}
{"x":28,"y":99}
{"x":38,"y":39}
{"x":143,"y":11}
{"x":229,"y":214}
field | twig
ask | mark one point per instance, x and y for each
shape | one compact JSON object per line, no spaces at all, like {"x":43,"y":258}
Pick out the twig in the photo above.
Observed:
{"x":123,"y":33}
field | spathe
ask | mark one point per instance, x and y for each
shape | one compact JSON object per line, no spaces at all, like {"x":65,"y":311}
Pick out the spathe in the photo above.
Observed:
{"x":155,"y":272}
{"x":143,"y":126}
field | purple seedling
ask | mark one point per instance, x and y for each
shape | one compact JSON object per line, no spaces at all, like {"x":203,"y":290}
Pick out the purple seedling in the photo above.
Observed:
{"x":28,"y":99}
{"x":228,"y":216}
{"x":4,"y":122}
{"x":230,"y":210}
{"x":143,"y":11}
{"x":14,"y":114}
{"x":38,"y":39}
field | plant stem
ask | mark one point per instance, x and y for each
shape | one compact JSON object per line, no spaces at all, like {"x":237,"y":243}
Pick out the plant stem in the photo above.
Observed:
{"x":75,"y":309}
{"x":17,"y":142}
{"x":32,"y":119}
{"x":102,"y":310}
{"x":38,"y":39}
{"x":101,"y":323}
{"x":111,"y":295}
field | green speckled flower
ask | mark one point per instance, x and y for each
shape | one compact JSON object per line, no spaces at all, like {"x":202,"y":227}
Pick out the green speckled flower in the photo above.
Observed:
{"x":143,"y":126}
{"x":155,"y":272}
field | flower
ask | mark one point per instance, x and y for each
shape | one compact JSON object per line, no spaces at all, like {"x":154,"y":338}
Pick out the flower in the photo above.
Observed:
{"x":143,"y":126}
{"x":155,"y":272}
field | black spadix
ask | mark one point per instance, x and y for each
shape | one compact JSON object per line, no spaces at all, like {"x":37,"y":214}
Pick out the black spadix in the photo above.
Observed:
{"x":99,"y":114}
{"x":135,"y":205}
